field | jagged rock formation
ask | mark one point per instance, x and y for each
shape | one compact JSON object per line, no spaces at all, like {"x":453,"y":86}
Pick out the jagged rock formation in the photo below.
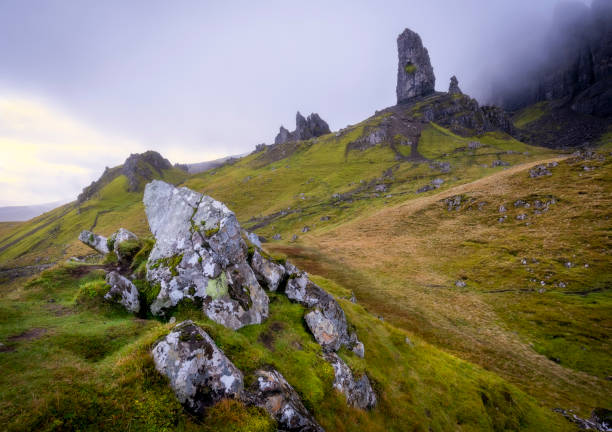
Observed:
{"x":575,"y":68}
{"x":94,"y":241}
{"x":200,"y":255}
{"x":453,"y":87}
{"x":305,"y":128}
{"x":272,"y":392}
{"x":415,"y":75}
{"x":122,"y":291}
{"x":139,"y":168}
{"x":199,"y":373}
{"x":359,"y":394}
{"x":270,"y":274}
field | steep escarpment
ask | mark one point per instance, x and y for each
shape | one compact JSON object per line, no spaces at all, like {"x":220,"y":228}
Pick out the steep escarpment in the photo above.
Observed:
{"x":574,"y":68}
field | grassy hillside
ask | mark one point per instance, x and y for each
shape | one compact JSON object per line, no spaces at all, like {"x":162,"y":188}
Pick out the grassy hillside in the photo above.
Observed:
{"x":495,"y":354}
{"x":536,"y":306}
{"x":72,"y":362}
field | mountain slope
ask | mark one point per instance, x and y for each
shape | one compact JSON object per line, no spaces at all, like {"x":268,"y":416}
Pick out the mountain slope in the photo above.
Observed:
{"x":536,"y":303}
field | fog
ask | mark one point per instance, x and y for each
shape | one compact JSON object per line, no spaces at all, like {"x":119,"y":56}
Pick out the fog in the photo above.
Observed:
{"x":199,"y":80}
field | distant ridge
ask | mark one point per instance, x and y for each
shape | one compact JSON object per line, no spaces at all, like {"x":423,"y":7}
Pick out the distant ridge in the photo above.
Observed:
{"x":24,"y":213}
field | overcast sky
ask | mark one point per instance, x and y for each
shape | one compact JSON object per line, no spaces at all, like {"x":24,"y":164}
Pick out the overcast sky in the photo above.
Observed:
{"x":85,"y":83}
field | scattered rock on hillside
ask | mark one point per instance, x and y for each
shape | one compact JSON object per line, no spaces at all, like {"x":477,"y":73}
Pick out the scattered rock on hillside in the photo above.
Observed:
{"x":473,"y":145}
{"x":326,"y":321}
{"x":540,"y":171}
{"x":498,"y":163}
{"x":453,"y":87}
{"x":276,"y":236}
{"x":270,"y":274}
{"x":359,"y":394}
{"x":426,"y":188}
{"x":453,"y":203}
{"x":122,"y":291}
{"x":199,"y":255}
{"x":273,"y":393}
{"x":415,"y":76}
{"x":94,"y":241}
{"x":199,"y":373}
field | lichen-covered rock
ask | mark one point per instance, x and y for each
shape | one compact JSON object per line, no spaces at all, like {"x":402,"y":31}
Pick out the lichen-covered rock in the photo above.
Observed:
{"x":254,"y":238}
{"x":122,"y":291}
{"x":94,"y":241}
{"x":359,"y":394}
{"x":199,"y":373}
{"x":415,"y":75}
{"x":270,"y":274}
{"x":199,"y":255}
{"x":326,"y":321}
{"x":272,"y":392}
{"x":120,"y":237}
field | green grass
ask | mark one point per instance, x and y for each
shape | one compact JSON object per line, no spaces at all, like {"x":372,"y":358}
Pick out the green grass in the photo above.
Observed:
{"x":530,"y":114}
{"x":91,"y":369}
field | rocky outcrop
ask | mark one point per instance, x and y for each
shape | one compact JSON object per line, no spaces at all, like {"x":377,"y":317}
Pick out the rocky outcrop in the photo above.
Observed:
{"x":199,"y":373}
{"x":453,"y":87}
{"x":305,"y":128}
{"x":139,"y":168}
{"x":415,"y":75}
{"x":272,"y":392}
{"x":359,"y":394}
{"x":270,"y":274}
{"x":94,"y":241}
{"x":122,"y":291}
{"x":199,"y":255}
{"x":142,"y":167}
{"x":326,"y":320}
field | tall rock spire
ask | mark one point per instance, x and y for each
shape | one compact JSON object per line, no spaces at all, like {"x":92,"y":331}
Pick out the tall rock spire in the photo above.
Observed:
{"x":415,"y":75}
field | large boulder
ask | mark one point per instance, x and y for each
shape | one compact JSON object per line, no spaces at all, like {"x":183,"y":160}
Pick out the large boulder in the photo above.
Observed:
{"x":199,"y":255}
{"x":272,"y":392}
{"x":415,"y":76}
{"x":199,"y":373}
{"x":359,"y":394}
{"x":326,"y":320}
{"x":122,"y":291}
{"x":94,"y":241}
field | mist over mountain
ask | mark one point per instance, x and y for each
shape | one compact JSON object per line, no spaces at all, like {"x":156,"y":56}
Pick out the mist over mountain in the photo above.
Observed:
{"x":572,"y":63}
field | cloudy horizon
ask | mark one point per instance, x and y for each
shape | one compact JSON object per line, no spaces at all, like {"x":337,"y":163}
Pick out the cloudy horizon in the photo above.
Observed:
{"x":83,"y":84}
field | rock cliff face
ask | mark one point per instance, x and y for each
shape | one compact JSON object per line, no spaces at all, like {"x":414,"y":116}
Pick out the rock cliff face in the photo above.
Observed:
{"x":576,"y":67}
{"x":415,"y":75}
{"x":305,"y":128}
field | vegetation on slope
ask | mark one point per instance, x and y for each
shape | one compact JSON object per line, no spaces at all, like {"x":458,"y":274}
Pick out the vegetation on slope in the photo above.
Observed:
{"x":536,"y":304}
{"x":71,"y":361}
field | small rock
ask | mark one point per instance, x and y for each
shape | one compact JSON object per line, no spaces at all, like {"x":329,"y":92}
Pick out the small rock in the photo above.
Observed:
{"x":521,"y":216}
{"x":172,"y":320}
{"x":497,"y":163}
{"x":568,"y":264}
{"x":562,"y":285}
{"x":273,"y":393}
{"x":408,"y":341}
{"x":359,"y":394}
{"x":276,"y":236}
{"x":460,"y":284}
{"x":524,"y":261}
{"x":268,"y":273}
{"x":437,"y":182}
{"x":502,"y":219}
{"x":254,"y":238}
{"x":353,"y":299}
{"x":380,"y":188}
{"x":502,"y":209}
{"x":305,"y":229}
{"x":359,"y":349}
{"x":539,"y":171}
{"x":586,"y":266}
{"x":425,"y":188}
{"x":473,"y":145}
{"x":94,"y":241}
{"x":122,"y":291}
{"x":294,"y":237}
{"x":325,"y":218}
